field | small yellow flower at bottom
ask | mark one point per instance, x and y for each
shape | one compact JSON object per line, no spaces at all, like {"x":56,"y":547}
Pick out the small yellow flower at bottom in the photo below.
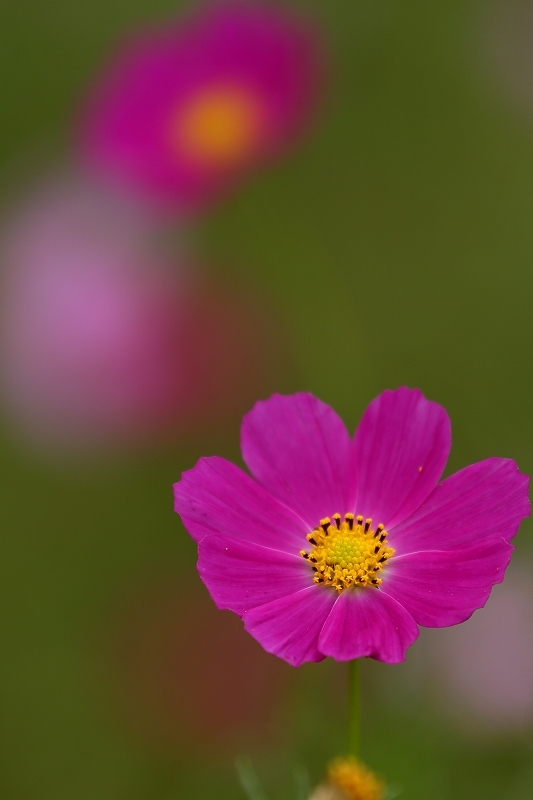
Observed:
{"x":350,"y":779}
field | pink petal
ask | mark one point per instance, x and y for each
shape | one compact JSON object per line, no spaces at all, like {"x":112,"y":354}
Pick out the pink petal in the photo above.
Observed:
{"x":441,"y":588}
{"x":218,"y":497}
{"x":367,"y":623}
{"x":241,"y":575}
{"x":289,"y":627}
{"x":489,"y":498}
{"x":400,"y":450}
{"x":299,"y":450}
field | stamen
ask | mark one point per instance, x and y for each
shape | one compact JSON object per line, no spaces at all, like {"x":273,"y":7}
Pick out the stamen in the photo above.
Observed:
{"x":347,"y":555}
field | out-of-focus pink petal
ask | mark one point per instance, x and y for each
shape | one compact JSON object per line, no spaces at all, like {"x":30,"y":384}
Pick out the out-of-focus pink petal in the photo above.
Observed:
{"x":487,"y":499}
{"x":89,"y":319}
{"x":400,"y":450}
{"x":215,"y":496}
{"x":289,"y":627}
{"x":299,"y":450}
{"x":441,"y":588}
{"x":367,"y":623}
{"x":241,"y":575}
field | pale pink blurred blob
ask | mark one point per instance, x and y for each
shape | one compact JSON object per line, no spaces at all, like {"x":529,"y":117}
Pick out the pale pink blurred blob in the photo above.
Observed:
{"x":89,"y":311}
{"x":101,"y":340}
{"x":485,"y":665}
{"x":506,"y":32}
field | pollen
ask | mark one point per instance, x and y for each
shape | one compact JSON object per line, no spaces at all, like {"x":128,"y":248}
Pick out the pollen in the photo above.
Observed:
{"x":354,"y":780}
{"x":219,"y":126}
{"x":347,"y":552}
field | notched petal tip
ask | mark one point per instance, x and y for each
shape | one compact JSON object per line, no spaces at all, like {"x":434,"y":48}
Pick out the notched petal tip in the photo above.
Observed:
{"x":240,"y":575}
{"x":482,"y":501}
{"x":399,"y":451}
{"x":444,"y":588}
{"x":215,"y":496}
{"x":298,"y":448}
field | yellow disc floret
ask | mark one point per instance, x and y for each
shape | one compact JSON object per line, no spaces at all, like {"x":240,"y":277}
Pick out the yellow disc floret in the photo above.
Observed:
{"x":355,"y":781}
{"x":218,"y":126}
{"x":348,"y":552}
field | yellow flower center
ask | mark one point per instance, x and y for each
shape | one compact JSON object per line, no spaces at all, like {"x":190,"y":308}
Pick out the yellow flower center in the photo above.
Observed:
{"x":348,"y":552}
{"x":355,"y":781}
{"x":219,"y":126}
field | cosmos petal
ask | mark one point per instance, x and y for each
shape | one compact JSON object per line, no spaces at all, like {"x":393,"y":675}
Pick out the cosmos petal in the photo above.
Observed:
{"x":218,"y":497}
{"x":486,"y":499}
{"x":241,"y":575}
{"x":400,"y":450}
{"x":367,"y":623}
{"x":289,"y":627}
{"x":441,"y":588}
{"x":299,"y":450}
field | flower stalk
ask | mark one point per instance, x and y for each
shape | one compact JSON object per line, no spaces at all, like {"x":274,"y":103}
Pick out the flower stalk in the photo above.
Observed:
{"x":354,"y":709}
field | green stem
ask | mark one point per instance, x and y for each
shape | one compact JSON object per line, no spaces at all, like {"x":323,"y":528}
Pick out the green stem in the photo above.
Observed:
{"x":354,"y":710}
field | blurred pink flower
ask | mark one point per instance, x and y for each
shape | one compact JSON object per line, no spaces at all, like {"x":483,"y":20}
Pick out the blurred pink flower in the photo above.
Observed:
{"x":486,"y":665}
{"x":88,"y":322}
{"x":99,"y":339}
{"x":183,"y":111}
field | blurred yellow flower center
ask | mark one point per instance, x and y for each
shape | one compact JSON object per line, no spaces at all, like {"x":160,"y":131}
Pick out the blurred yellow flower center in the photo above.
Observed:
{"x":347,"y":552}
{"x":218,"y":126}
{"x":355,"y":781}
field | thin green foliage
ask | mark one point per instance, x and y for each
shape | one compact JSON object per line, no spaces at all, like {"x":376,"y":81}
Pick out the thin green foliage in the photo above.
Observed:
{"x":302,"y":783}
{"x":249,"y":779}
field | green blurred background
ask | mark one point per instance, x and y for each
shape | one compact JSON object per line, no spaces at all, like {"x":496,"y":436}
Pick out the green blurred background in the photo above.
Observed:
{"x":397,"y":247}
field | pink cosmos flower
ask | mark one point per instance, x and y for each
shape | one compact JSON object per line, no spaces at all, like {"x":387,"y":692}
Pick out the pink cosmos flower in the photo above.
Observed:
{"x":342,"y":547}
{"x":184,"y":110}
